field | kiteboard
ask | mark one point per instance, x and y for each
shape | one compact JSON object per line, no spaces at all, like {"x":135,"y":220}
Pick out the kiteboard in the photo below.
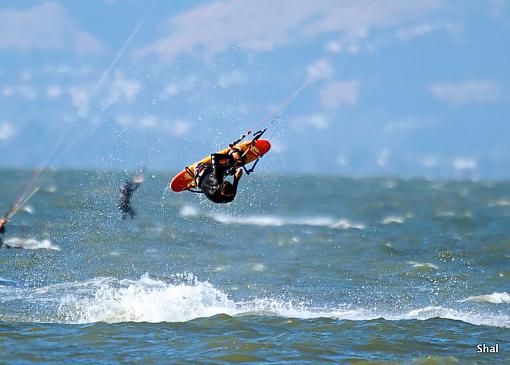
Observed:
{"x":252,"y":151}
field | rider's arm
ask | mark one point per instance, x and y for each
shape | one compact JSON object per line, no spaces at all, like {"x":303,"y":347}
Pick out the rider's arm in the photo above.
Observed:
{"x":237,"y":177}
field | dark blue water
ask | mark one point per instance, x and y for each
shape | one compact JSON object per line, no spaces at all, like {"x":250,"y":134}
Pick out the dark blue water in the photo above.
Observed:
{"x":296,"y":270}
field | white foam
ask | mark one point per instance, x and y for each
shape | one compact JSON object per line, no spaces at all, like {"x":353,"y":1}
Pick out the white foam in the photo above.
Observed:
{"x":144,"y":300}
{"x":221,"y":268}
{"x":149,"y":300}
{"x":189,"y":211}
{"x":427,"y":265}
{"x":31,"y":244}
{"x":345,"y":224}
{"x":249,"y":220}
{"x":51,"y":189}
{"x":449,"y":313}
{"x":186,"y":298}
{"x":495,"y":298}
{"x":446,"y":213}
{"x":396,"y":219}
{"x":467,"y":214}
{"x":500,"y":203}
{"x":393,"y":219}
{"x":29,"y":209}
{"x":271,"y":220}
{"x":258,"y":267}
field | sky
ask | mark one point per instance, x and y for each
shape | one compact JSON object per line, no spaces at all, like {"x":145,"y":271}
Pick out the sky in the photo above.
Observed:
{"x":392,"y":87}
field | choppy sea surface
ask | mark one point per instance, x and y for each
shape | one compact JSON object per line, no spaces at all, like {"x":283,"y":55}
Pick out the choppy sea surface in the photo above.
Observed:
{"x":297,"y":270}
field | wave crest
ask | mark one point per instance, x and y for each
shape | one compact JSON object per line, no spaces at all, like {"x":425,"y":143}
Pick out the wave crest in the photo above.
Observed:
{"x":145,"y":300}
{"x":495,"y":298}
{"x":152,"y":300}
{"x":185,"y":298}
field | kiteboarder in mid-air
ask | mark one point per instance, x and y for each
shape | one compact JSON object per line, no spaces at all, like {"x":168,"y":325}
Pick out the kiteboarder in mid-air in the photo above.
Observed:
{"x":210,"y":177}
{"x":126,"y":192}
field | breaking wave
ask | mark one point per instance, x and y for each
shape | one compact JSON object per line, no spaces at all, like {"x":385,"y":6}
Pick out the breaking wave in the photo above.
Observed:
{"x":145,"y":300}
{"x":186,"y":298}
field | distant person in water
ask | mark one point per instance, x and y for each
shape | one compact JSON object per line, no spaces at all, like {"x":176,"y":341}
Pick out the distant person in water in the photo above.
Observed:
{"x":210,"y":177}
{"x":3,"y":222}
{"x":126,"y":192}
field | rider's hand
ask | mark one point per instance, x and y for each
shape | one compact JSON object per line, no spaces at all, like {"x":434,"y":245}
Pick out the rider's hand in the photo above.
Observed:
{"x":236,"y":155}
{"x":238,"y":173}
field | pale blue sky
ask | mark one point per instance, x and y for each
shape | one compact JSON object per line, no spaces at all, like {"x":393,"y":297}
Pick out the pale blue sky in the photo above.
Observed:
{"x":396,"y":87}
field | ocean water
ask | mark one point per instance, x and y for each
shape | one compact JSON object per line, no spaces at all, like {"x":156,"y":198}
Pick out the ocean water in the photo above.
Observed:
{"x":297,"y":270}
